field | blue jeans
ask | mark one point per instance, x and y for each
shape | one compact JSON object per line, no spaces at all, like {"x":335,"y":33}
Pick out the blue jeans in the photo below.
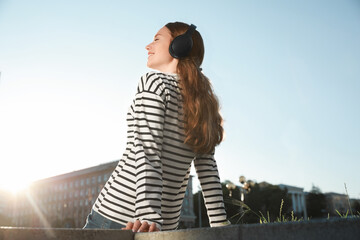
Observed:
{"x":96,"y":220}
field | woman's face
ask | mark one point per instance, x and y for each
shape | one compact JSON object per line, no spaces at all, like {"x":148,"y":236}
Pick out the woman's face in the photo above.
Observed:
{"x":159,"y":57}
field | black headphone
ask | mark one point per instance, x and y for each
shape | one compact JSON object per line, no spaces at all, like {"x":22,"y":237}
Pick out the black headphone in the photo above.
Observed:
{"x":181,"y":45}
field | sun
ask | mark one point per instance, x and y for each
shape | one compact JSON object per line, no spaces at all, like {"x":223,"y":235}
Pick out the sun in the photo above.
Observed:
{"x":16,"y":177}
{"x":14,"y":186}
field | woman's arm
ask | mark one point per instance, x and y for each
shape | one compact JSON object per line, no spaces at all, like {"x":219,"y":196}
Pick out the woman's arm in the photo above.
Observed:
{"x":148,"y":112}
{"x":207,"y":172}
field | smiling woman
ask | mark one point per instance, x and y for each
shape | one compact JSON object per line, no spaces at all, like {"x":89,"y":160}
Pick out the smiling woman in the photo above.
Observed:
{"x":158,"y":54}
{"x":173,"y":122}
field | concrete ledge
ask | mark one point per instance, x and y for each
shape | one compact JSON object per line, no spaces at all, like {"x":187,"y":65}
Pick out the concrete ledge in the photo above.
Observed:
{"x":63,"y":234}
{"x":322,"y":229}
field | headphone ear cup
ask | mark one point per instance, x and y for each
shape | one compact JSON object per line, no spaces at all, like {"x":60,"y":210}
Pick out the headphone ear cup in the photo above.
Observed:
{"x":181,"y":46}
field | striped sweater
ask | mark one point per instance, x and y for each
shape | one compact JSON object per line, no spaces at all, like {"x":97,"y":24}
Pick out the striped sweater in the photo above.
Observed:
{"x":150,"y":180}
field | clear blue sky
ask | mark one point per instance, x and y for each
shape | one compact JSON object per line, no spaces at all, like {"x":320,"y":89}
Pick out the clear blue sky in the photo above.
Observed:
{"x":287,"y":74}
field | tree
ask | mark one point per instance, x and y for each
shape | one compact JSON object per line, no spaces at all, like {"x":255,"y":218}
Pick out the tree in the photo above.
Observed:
{"x":265,"y":199}
{"x":356,"y":207}
{"x":204,"y":218}
{"x":316,"y":203}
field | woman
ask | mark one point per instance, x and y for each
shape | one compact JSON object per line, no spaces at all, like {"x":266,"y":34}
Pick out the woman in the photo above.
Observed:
{"x":173,"y":121}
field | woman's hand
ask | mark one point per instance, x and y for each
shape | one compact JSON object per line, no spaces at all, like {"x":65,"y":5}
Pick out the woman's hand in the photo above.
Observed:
{"x":137,"y":226}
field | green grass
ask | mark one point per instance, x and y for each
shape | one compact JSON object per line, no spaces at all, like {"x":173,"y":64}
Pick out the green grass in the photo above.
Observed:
{"x":282,"y":217}
{"x":346,"y":215}
{"x":343,"y":215}
{"x":262,"y":219}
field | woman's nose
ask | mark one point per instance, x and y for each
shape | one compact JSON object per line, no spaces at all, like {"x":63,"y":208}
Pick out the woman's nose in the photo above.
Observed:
{"x":147,"y":47}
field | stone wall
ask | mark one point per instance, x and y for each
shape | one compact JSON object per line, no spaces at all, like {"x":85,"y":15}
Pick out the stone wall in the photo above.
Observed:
{"x":321,"y":229}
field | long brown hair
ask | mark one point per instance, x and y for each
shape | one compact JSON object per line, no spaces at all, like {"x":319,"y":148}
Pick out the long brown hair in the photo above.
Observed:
{"x":203,"y":122}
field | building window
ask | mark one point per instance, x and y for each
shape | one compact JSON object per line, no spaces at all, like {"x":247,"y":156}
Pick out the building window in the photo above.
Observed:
{"x":77,"y":183}
{"x":93,"y":180}
{"x":105,"y":177}
{"x":82,"y":182}
{"x":99,"y":179}
{"x":87,"y":181}
{"x":82,"y":192}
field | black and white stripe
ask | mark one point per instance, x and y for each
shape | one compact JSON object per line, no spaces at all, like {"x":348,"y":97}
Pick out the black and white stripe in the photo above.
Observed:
{"x":150,"y":180}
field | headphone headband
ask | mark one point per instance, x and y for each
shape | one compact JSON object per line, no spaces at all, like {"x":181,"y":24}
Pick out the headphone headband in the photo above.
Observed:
{"x":191,"y":30}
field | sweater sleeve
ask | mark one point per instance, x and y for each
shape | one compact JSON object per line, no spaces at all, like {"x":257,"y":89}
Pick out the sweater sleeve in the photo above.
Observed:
{"x":207,"y":172}
{"x":148,"y":113}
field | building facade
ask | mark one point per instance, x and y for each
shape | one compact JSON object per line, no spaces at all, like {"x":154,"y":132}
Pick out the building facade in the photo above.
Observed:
{"x":3,"y":203}
{"x":337,"y":202}
{"x":297,"y":198}
{"x":66,"y":200}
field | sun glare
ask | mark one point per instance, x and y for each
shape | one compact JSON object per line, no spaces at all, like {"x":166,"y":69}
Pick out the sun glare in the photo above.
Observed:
{"x":15,"y":179}
{"x":14,"y":187}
